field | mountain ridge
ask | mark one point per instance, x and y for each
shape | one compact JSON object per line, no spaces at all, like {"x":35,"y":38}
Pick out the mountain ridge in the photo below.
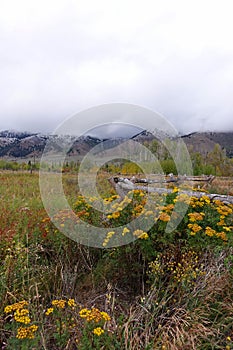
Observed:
{"x":16,"y":145}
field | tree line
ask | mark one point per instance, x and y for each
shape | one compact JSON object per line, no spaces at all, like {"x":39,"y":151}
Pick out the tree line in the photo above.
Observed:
{"x":215,"y":162}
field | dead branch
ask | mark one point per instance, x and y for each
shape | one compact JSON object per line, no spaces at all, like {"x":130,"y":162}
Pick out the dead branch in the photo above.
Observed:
{"x":123,"y":185}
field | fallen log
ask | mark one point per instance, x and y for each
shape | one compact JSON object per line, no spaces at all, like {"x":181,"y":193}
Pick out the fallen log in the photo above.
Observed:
{"x":172,"y":178}
{"x":124,"y":185}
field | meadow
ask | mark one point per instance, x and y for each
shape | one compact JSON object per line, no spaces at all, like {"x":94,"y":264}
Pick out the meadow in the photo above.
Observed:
{"x":164,"y":291}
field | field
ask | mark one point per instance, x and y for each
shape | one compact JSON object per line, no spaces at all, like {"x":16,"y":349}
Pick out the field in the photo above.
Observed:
{"x":164,"y":290}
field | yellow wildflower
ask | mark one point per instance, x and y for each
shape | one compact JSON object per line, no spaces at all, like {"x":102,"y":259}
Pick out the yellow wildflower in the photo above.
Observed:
{"x":49,"y":311}
{"x":16,"y":306}
{"x":169,"y":207}
{"x":125,"y":230}
{"x":59,"y":303}
{"x":26,"y":332}
{"x":224,"y":210}
{"x":140,"y":234}
{"x":195,"y":227}
{"x":195,"y":216}
{"x":84,"y":313}
{"x":205,"y":199}
{"x":95,"y":315}
{"x":164,"y":217}
{"x":109,"y":235}
{"x":222,"y":235}
{"x":21,"y":315}
{"x":105,"y":316}
{"x":115,"y":215}
{"x":209,"y":231}
{"x":221,"y":223}
{"x":71,"y":303}
{"x":98,"y":331}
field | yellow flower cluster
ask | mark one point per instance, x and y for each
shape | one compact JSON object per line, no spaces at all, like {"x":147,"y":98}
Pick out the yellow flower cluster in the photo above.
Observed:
{"x":195,"y":202}
{"x":71,"y":303}
{"x":125,"y":230}
{"x":49,"y":311}
{"x":138,"y":210}
{"x":223,"y":209}
{"x":164,"y":217}
{"x":184,"y":269}
{"x":47,"y":219}
{"x":110,"y":199}
{"x":156,"y":267}
{"x":193,"y":226}
{"x":94,"y":315}
{"x":59,"y":303}
{"x":114,"y":215}
{"x":98,"y":331}
{"x":196,"y":216}
{"x":105,"y":316}
{"x":138,"y":207}
{"x":209,"y":231}
{"x":108,"y":237}
{"x":215,"y":209}
{"x":140,"y":234}
{"x":175,"y":189}
{"x":194,"y":229}
{"x":205,"y":199}
{"x":168,"y":207}
{"x":140,"y":193}
{"x":26,"y":332}
{"x":222,"y":235}
{"x":16,"y":306}
{"x":21,"y":315}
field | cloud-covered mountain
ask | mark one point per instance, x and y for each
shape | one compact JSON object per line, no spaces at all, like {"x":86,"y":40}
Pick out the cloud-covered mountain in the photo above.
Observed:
{"x":18,"y":145}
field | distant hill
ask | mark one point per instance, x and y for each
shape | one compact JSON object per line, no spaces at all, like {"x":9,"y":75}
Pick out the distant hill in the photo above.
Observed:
{"x":21,"y":145}
{"x":25,"y":145}
{"x":204,"y":142}
{"x":16,"y":145}
{"x":224,"y":139}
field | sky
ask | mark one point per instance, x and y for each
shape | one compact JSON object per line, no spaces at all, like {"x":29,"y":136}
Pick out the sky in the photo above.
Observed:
{"x":59,"y":58}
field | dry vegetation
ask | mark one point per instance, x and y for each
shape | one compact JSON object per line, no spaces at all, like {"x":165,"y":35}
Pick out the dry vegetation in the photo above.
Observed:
{"x":163,"y":291}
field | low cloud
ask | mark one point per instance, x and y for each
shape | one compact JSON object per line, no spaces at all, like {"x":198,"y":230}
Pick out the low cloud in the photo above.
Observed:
{"x":58,"y":58}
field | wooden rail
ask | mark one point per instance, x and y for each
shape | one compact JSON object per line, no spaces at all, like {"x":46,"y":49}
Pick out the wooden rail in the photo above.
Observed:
{"x":172,"y":178}
{"x":123,"y":185}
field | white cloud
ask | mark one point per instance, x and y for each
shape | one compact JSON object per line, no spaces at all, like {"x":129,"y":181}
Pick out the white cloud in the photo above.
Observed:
{"x":58,"y":57}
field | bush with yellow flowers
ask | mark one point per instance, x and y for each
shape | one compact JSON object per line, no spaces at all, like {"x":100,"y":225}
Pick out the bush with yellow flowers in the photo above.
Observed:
{"x":205,"y":221}
{"x":181,"y":268}
{"x":63,"y":323}
{"x":86,"y":326}
{"x":95,"y":333}
{"x":20,"y":326}
{"x":117,"y":211}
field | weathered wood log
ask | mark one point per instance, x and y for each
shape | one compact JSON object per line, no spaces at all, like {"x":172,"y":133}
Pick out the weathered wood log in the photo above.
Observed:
{"x":172,"y":178}
{"x":122,"y":186}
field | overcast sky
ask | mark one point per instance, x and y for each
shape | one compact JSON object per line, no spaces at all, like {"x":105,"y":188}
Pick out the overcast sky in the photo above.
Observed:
{"x":60,"y":57}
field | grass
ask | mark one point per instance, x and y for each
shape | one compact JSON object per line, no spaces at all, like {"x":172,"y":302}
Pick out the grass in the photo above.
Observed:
{"x":163,"y":291}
